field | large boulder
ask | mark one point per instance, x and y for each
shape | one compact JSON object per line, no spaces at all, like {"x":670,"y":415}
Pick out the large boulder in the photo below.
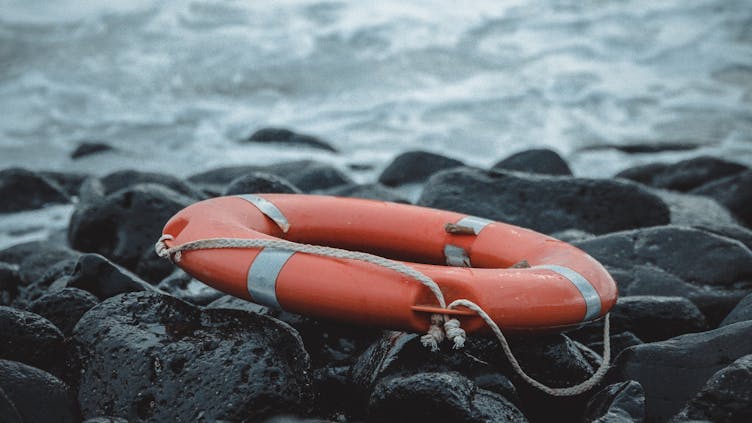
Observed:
{"x":734,"y":192}
{"x":684,"y":175}
{"x":375,"y":191}
{"x":35,"y":395}
{"x":288,"y":137}
{"x":121,"y":179}
{"x":545,"y":203}
{"x":673,"y":371}
{"x":23,"y":189}
{"x":537,"y":160}
{"x":147,"y":356}
{"x":124,"y":225}
{"x":415,"y":166}
{"x":665,"y":261}
{"x":725,"y":398}
{"x":446,"y":397}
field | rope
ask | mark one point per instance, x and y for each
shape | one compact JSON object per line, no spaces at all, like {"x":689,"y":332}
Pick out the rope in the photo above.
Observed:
{"x":436,"y":333}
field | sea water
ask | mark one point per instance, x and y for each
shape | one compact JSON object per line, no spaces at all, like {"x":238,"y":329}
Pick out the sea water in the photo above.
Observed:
{"x":175,"y":85}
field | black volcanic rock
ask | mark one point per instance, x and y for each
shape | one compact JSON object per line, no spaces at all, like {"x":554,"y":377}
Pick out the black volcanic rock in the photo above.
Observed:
{"x":538,"y":160}
{"x":124,"y":226}
{"x":121,"y":179}
{"x":415,"y":166}
{"x":88,"y":148}
{"x":741,"y":312}
{"x":286,"y":136}
{"x":368,"y":191}
{"x":725,"y":398}
{"x":23,"y":189}
{"x":35,"y":395}
{"x":9,"y":281}
{"x":734,"y":192}
{"x":307,"y":175}
{"x":184,"y":286}
{"x":64,"y":308}
{"x":259,"y":183}
{"x":147,"y":356}
{"x":684,"y":175}
{"x":102,"y":278}
{"x":673,"y":371}
{"x":545,"y":203}
{"x":30,"y":338}
{"x":438,"y":397}
{"x":618,"y":403}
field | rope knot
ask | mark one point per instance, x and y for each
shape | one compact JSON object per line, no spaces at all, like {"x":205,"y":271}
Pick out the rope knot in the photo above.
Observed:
{"x":166,"y":252}
{"x":455,"y":333}
{"x":435,"y":333}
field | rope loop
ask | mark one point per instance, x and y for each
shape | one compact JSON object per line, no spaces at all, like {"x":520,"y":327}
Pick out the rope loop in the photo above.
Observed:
{"x":442,"y":327}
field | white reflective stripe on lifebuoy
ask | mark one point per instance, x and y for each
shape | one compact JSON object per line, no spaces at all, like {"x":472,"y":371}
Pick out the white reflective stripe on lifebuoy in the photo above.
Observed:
{"x":456,"y":256}
{"x":269,"y":209}
{"x":592,"y":299}
{"x":474,"y":222}
{"x":263,"y":273}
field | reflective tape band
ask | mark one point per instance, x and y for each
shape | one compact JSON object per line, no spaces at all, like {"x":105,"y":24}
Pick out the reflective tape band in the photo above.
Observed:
{"x":269,"y":209}
{"x":476,"y":223}
{"x":592,"y":299}
{"x":262,"y":276}
{"x":456,"y":256}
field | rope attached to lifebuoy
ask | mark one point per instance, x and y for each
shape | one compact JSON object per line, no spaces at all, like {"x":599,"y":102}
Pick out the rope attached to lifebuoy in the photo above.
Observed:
{"x":441,"y":325}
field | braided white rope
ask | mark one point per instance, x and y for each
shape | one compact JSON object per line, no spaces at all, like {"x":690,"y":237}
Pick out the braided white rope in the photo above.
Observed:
{"x":436,"y":334}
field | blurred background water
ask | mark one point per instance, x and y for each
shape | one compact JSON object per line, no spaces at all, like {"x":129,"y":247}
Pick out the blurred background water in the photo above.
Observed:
{"x":175,"y":85}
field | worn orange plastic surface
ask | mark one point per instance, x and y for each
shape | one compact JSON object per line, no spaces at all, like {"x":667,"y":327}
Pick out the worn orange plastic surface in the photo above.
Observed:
{"x":363,"y":293}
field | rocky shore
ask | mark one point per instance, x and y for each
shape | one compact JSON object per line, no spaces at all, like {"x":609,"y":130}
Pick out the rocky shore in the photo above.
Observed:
{"x":95,"y":327}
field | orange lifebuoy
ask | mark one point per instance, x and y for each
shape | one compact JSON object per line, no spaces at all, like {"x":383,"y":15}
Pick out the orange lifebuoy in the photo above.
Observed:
{"x":468,"y":257}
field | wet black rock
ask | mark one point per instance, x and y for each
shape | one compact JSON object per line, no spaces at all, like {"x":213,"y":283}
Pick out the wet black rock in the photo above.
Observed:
{"x":106,"y":419}
{"x":23,"y":189}
{"x":646,"y":147}
{"x":723,"y":262}
{"x":70,"y":182}
{"x":545,"y":203}
{"x":673,"y":371}
{"x":8,"y":410}
{"x":30,"y":338}
{"x":36,"y":396}
{"x":9,"y":281}
{"x":448,"y":397}
{"x":259,"y":183}
{"x":741,"y":312}
{"x":44,"y":262}
{"x":725,"y":398}
{"x":286,"y":136}
{"x":653,"y":318}
{"x":88,"y":148}
{"x":734,"y":192}
{"x":696,"y":210}
{"x":122,"y":179}
{"x":555,"y":360}
{"x":147,"y":356}
{"x":619,"y":342}
{"x":618,"y":403}
{"x":101,"y":277}
{"x":124,"y":226}
{"x":684,"y":175}
{"x":64,"y":308}
{"x":369,"y":191}
{"x":538,"y":160}
{"x":307,"y":175}
{"x":184,"y":286}
{"x":664,"y":261}
{"x":415,"y":166}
